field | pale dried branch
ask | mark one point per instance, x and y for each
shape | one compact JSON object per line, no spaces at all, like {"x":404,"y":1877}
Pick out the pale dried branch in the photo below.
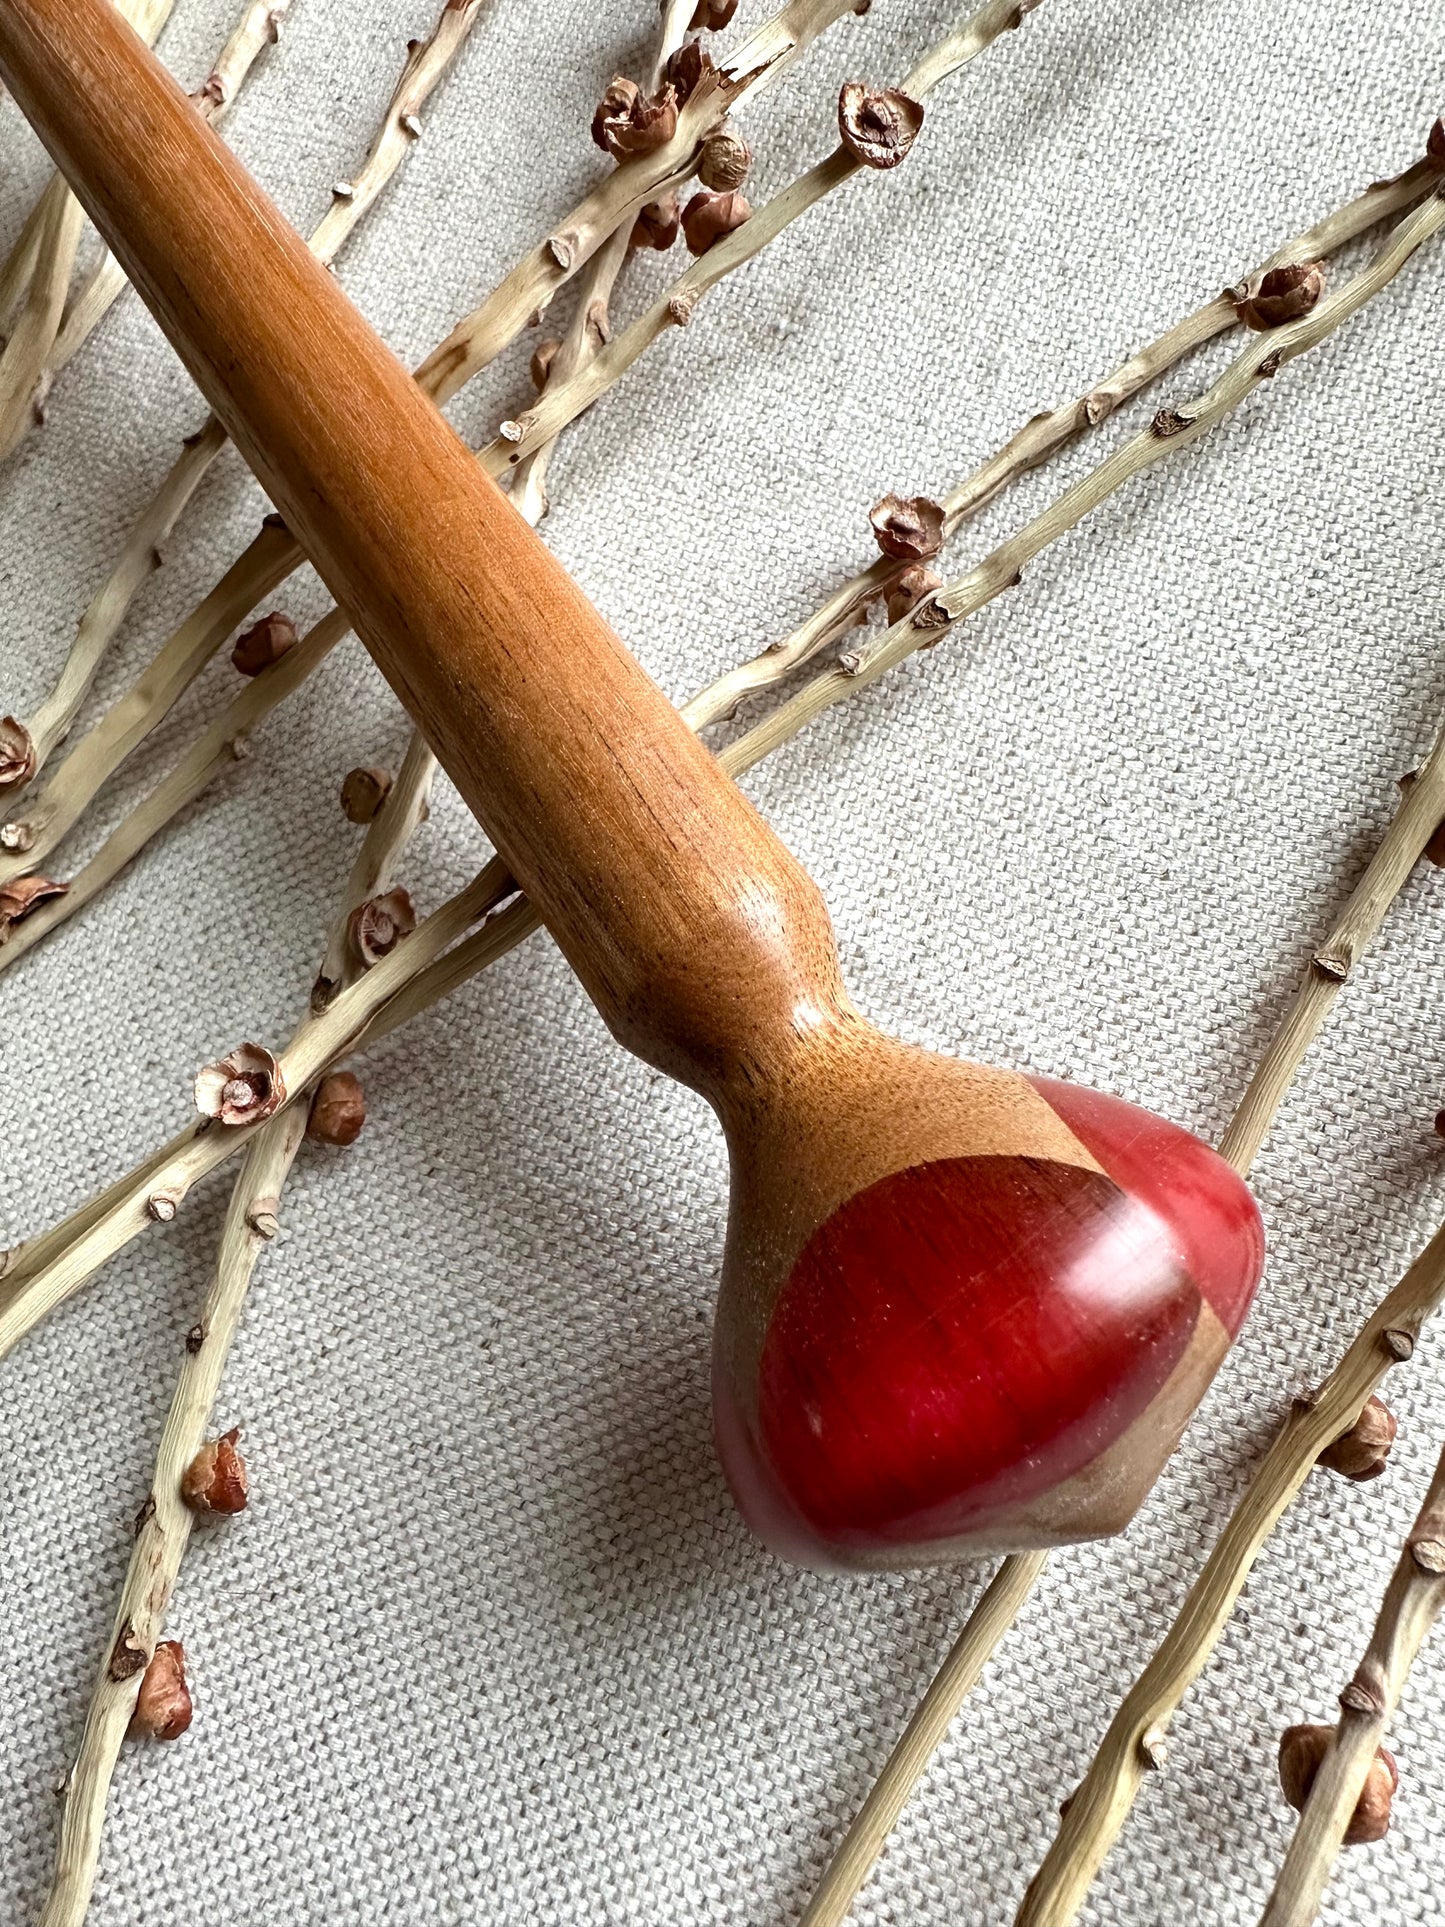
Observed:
{"x":427,"y":63}
{"x":1002,"y":1602}
{"x":1046,"y":434}
{"x":530,"y":286}
{"x":30,"y":836}
{"x":165,"y":1521}
{"x":42,"y":1274}
{"x":675,"y":17}
{"x":390,"y":829}
{"x":561,"y":401}
{"x":47,"y":253}
{"x":258,"y":28}
{"x":585,"y":337}
{"x":1171,"y":430}
{"x":223,"y":741}
{"x":1331,"y":964}
{"x":1411,"y":1605}
{"x":53,"y":810}
{"x":138,"y":560}
{"x":24,"y":356}
{"x":18,"y":268}
{"x":163,"y":1527}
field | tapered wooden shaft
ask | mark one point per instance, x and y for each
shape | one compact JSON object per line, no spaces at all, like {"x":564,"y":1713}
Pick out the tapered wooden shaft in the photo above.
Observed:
{"x":693,"y":930}
{"x":959,"y":1309}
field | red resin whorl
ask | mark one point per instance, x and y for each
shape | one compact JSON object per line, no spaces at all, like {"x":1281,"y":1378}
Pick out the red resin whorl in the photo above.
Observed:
{"x":962,"y":1337}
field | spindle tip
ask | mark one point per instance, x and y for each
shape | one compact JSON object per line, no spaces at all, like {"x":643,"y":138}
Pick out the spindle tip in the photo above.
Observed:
{"x":993,"y":1351}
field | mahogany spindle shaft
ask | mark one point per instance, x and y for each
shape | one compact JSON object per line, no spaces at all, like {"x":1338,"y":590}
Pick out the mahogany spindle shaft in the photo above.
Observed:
{"x":959,"y":1310}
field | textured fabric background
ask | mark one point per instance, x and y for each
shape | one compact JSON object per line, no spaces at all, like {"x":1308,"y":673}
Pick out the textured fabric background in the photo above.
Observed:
{"x":491,"y":1644}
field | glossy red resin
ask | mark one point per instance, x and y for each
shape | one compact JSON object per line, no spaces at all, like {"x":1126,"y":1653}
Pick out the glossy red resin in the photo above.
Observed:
{"x":965,"y":1335}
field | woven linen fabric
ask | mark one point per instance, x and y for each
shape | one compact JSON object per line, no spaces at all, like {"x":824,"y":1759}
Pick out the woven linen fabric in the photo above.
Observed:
{"x":491,"y":1645}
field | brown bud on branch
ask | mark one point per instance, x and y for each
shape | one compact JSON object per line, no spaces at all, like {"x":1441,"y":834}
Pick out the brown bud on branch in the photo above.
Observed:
{"x":363,"y":791}
{"x":628,"y":122}
{"x":711,"y":16}
{"x":657,"y":224}
{"x":338,"y":1109}
{"x":17,"y":754}
{"x":1361,"y":1452}
{"x":1435,"y":145}
{"x":163,"y":1705}
{"x":1284,"y":294}
{"x":376,"y":927}
{"x":215,"y":1481}
{"x":878,"y":125}
{"x":244,"y":1088}
{"x":21,"y":895}
{"x":708,"y":217}
{"x":686,"y":68}
{"x":724,"y":161}
{"x":910,"y":589}
{"x":1301,"y":1753}
{"x":908,"y":527}
{"x":265,"y":642}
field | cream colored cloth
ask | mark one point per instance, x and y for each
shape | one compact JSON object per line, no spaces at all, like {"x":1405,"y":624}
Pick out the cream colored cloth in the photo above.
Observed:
{"x":491,"y":1645}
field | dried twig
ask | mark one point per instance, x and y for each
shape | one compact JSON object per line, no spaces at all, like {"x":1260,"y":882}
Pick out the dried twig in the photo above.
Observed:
{"x":482,"y":335}
{"x":1170,"y":430}
{"x":1411,"y":1605}
{"x":1046,"y":434}
{"x":258,"y":28}
{"x":561,"y":401}
{"x":223,"y":742}
{"x":996,"y":1611}
{"x":165,"y":1521}
{"x":46,"y":252}
{"x":586,"y":334}
{"x":24,"y":355}
{"x":138,"y":560}
{"x":18,"y":268}
{"x":57,"y":806}
{"x":589,"y":329}
{"x":404,"y":809}
{"x":164,"y":1524}
{"x":53,"y":812}
{"x":427,"y":63}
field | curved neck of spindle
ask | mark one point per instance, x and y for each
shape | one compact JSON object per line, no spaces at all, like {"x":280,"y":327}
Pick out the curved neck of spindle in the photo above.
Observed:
{"x":701,"y":941}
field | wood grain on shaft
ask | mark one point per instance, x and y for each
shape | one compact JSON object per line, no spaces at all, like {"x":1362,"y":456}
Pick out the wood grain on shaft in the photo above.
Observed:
{"x":696,"y":934}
